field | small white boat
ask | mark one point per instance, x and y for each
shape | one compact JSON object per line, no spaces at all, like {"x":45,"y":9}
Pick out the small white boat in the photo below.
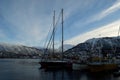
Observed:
{"x":79,"y":66}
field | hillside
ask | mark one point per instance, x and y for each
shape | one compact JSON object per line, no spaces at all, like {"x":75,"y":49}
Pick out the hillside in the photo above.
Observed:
{"x":18,"y":51}
{"x":95,"y":47}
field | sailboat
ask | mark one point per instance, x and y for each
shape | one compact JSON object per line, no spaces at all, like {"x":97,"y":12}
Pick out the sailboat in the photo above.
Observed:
{"x":56,"y":64}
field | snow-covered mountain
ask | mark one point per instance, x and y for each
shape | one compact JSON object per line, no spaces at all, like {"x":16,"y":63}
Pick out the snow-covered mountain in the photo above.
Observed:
{"x":105,"y":45}
{"x":18,"y":51}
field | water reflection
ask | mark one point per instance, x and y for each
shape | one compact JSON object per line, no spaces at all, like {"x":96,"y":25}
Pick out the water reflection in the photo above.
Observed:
{"x":74,"y":75}
{"x":62,"y":75}
{"x":28,"y":69}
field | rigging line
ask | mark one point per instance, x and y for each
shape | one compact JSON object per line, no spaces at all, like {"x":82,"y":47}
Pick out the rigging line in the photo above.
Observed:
{"x":50,"y":37}
{"x":47,"y":37}
{"x":58,"y":19}
{"x":54,"y":30}
{"x":50,"y":46}
{"x":46,"y":44}
{"x":49,"y":41}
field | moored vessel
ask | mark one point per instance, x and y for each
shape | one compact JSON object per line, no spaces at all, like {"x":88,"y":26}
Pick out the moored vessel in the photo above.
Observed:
{"x":59,"y":63}
{"x":102,"y":67}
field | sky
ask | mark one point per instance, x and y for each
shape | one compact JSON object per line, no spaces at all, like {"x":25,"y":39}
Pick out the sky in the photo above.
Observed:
{"x":27,"y":22}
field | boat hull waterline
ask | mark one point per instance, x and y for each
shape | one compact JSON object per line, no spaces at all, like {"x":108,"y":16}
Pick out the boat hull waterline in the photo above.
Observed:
{"x":55,"y":65}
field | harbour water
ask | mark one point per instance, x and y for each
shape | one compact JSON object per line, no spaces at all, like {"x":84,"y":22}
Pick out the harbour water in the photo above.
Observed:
{"x":28,"y":69}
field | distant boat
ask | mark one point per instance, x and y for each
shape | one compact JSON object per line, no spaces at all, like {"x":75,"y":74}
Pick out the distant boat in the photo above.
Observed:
{"x":56,"y":64}
{"x":102,"y":67}
{"x":79,"y":66}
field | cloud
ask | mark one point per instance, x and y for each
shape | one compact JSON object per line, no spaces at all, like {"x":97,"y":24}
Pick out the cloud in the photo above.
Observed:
{"x":109,"y":30}
{"x":72,"y":7}
{"x":28,"y":20}
{"x":104,"y":31}
{"x":99,"y":15}
{"x":2,"y":34}
{"x":106,"y":12}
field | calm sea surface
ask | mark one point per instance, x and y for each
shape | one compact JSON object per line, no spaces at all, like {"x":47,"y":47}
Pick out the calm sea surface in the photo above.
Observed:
{"x":28,"y":69}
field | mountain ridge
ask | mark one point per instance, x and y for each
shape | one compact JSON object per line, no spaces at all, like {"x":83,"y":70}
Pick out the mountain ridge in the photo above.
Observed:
{"x":94,"y":46}
{"x":18,"y":51}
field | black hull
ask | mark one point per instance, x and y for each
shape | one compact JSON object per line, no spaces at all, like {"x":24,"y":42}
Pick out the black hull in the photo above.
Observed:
{"x":56,"y":65}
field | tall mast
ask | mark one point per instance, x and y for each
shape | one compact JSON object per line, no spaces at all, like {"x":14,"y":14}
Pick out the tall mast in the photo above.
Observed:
{"x":118,"y":31}
{"x":62,"y":34}
{"x":53,"y":30}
